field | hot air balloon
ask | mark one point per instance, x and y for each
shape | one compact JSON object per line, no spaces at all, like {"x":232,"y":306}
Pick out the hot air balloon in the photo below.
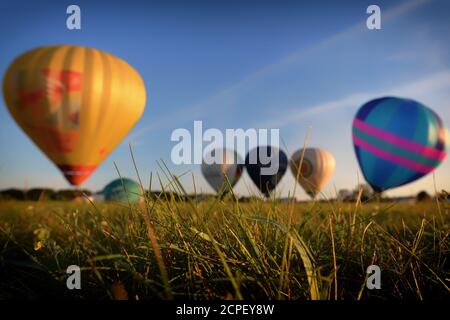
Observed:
{"x":123,"y":190}
{"x":229,"y":164}
{"x":317,"y":168}
{"x":397,"y":141}
{"x":75,"y":103}
{"x":266,"y":166}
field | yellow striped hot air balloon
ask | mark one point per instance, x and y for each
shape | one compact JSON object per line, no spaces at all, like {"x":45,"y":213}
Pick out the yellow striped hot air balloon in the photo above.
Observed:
{"x":75,"y":103}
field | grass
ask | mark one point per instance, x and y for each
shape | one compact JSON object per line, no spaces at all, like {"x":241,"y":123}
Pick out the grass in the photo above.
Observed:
{"x":224,"y":249}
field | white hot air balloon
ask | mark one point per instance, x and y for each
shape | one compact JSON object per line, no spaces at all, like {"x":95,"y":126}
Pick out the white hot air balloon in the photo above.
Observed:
{"x":316,"y":170}
{"x":220,"y":163}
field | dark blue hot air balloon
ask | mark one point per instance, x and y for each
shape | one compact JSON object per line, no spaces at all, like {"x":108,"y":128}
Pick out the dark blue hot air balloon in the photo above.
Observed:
{"x":266,"y":166}
{"x":397,"y":141}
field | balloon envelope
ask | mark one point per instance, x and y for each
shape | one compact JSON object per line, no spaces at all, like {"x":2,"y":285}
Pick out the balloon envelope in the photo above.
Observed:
{"x":75,"y":103}
{"x":123,"y":190}
{"x":317,"y":168}
{"x":266,"y":166}
{"x":397,"y":141}
{"x":220,"y":163}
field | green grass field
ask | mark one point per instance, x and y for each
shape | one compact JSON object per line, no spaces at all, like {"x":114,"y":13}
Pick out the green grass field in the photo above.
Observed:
{"x":224,"y":249}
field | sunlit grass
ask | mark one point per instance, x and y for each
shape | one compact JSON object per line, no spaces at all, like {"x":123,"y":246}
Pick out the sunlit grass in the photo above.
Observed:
{"x":222,"y":248}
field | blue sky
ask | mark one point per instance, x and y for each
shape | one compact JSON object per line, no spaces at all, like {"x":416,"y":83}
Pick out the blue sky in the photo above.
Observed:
{"x":241,"y":64}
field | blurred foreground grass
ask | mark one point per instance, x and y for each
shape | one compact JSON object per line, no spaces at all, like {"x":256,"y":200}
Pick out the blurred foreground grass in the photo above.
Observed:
{"x":224,"y":249}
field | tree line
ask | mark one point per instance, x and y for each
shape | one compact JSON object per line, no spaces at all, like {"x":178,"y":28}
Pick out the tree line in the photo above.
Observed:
{"x":362,"y":192}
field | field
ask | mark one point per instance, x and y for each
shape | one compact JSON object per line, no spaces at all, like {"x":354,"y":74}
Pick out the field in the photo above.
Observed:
{"x":224,"y":249}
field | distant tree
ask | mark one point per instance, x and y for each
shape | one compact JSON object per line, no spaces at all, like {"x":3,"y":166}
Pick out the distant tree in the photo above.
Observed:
{"x":70,"y":194}
{"x":39,"y":194}
{"x":12,"y":194}
{"x":245,"y":199}
{"x":64,"y":195}
{"x":43,"y":193}
{"x":345,"y":195}
{"x":366,"y":190}
{"x":443,"y":195}
{"x":423,"y":196}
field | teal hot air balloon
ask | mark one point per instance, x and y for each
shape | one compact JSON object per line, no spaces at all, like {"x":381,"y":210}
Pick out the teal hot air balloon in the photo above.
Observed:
{"x":123,"y":190}
{"x":398,"y":141}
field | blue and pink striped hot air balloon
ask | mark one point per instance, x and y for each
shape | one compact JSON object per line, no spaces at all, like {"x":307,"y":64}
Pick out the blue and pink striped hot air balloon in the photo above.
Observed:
{"x":398,"y":141}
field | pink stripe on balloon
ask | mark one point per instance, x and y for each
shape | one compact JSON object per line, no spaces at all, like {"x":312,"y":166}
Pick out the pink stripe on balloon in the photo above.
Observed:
{"x":391,"y":157}
{"x":425,"y":151}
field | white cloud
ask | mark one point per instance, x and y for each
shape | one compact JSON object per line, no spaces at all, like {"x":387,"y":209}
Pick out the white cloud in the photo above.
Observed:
{"x":425,"y":86}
